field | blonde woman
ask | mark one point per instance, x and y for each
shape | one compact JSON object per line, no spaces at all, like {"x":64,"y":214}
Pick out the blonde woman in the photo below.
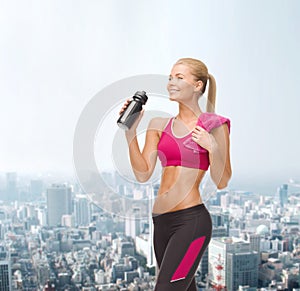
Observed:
{"x":187,"y":145}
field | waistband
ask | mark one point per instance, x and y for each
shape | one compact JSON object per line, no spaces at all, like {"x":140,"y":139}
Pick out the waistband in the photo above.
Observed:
{"x":182,"y":212}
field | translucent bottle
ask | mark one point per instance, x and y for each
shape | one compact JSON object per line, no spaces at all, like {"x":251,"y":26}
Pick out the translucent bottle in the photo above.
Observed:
{"x":131,"y":113}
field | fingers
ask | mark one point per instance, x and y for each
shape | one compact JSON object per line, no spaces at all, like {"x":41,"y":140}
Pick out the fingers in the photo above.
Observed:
{"x":199,"y":128}
{"x":198,"y":132}
{"x":124,"y":106}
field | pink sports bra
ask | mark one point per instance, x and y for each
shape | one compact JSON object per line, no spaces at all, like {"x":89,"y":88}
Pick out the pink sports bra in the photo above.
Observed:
{"x":183,"y":151}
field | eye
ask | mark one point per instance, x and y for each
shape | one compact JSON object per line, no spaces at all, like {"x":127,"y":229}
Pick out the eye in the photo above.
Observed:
{"x":177,"y":77}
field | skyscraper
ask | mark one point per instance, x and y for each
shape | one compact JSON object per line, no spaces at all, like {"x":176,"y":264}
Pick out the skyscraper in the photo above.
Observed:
{"x":59,"y":202}
{"x":11,"y":186}
{"x":239,"y":262}
{"x":242,"y":269}
{"x":133,"y":223}
{"x":82,"y":210}
{"x":254,"y":240}
{"x":283,"y":194}
{"x":5,"y":276}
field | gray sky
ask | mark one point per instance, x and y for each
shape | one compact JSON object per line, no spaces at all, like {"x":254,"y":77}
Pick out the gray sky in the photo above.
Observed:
{"x":56,"y":55}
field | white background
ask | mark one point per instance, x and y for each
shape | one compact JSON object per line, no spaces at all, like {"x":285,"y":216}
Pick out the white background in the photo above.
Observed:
{"x":56,"y":55}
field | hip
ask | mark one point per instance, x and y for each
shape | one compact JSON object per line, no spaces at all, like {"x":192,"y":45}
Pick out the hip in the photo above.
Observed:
{"x":198,"y":211}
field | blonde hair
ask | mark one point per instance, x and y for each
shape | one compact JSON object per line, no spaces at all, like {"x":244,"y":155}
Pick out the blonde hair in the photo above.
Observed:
{"x":199,"y":70}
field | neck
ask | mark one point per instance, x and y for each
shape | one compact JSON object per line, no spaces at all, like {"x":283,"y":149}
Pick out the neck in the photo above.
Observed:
{"x":189,"y":113}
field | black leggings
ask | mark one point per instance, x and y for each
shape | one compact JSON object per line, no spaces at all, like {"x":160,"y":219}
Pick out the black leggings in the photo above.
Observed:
{"x":180,"y":239}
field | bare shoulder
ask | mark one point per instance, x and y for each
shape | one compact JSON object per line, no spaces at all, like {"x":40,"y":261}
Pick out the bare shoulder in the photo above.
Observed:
{"x":158,"y":123}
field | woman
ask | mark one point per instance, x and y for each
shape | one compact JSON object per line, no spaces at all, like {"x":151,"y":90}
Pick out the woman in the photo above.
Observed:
{"x":186,"y":146}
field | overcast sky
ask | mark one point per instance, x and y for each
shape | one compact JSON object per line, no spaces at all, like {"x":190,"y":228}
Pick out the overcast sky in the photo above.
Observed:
{"x":56,"y":55}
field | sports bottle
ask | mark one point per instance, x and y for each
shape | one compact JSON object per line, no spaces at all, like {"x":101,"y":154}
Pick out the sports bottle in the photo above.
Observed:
{"x":131,"y":113}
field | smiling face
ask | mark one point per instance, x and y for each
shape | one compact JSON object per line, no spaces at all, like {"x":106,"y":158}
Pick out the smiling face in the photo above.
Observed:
{"x":182,"y":85}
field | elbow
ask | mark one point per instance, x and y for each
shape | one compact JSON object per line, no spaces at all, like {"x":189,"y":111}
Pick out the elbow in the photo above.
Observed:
{"x":221,"y":186}
{"x":223,"y":183}
{"x":142,"y":178}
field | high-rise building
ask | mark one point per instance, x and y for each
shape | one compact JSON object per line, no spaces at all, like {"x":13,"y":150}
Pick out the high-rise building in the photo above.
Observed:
{"x":283,"y":194}
{"x":220,"y":219}
{"x":11,"y":186}
{"x":133,"y":223}
{"x":82,"y":210}
{"x":41,"y":214}
{"x":242,"y":269}
{"x":5,"y":276}
{"x":239,"y":263}
{"x":59,"y":202}
{"x":144,"y":241}
{"x":254,"y":240}
{"x":67,"y":220}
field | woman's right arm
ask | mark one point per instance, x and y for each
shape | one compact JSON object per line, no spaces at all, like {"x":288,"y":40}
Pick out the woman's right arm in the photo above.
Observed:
{"x":143,"y":162}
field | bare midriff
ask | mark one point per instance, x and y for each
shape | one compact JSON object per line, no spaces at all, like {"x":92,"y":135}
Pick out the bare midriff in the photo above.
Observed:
{"x":179,"y":189}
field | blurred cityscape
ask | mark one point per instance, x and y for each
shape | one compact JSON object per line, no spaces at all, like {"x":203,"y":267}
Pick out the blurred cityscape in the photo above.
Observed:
{"x":54,"y":236}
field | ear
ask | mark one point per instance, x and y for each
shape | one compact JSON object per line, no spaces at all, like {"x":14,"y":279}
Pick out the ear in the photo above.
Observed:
{"x":198,"y":86}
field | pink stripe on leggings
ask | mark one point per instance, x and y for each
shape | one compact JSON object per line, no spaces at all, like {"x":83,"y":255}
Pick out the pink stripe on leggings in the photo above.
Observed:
{"x":188,"y":259}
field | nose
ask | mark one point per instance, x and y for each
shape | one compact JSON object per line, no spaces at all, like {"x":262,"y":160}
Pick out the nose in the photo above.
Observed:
{"x":172,"y":81}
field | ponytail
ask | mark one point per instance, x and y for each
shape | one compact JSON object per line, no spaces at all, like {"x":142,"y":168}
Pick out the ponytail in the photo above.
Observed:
{"x":211,"y":96}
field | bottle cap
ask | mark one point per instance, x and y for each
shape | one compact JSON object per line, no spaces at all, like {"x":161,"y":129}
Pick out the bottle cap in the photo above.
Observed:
{"x":141,"y":95}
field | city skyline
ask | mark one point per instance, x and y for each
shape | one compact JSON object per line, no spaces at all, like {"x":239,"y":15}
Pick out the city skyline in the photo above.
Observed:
{"x":263,"y":186}
{"x":255,"y":240}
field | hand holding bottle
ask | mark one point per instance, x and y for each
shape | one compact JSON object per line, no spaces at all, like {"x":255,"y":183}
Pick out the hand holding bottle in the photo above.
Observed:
{"x":132,"y":111}
{"x":135,"y":124}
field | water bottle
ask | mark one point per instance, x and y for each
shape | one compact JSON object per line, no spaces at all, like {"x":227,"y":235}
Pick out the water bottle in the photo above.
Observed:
{"x":131,"y":113}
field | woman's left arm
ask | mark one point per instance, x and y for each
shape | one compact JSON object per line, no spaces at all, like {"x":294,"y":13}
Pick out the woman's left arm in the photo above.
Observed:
{"x":219,"y":156}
